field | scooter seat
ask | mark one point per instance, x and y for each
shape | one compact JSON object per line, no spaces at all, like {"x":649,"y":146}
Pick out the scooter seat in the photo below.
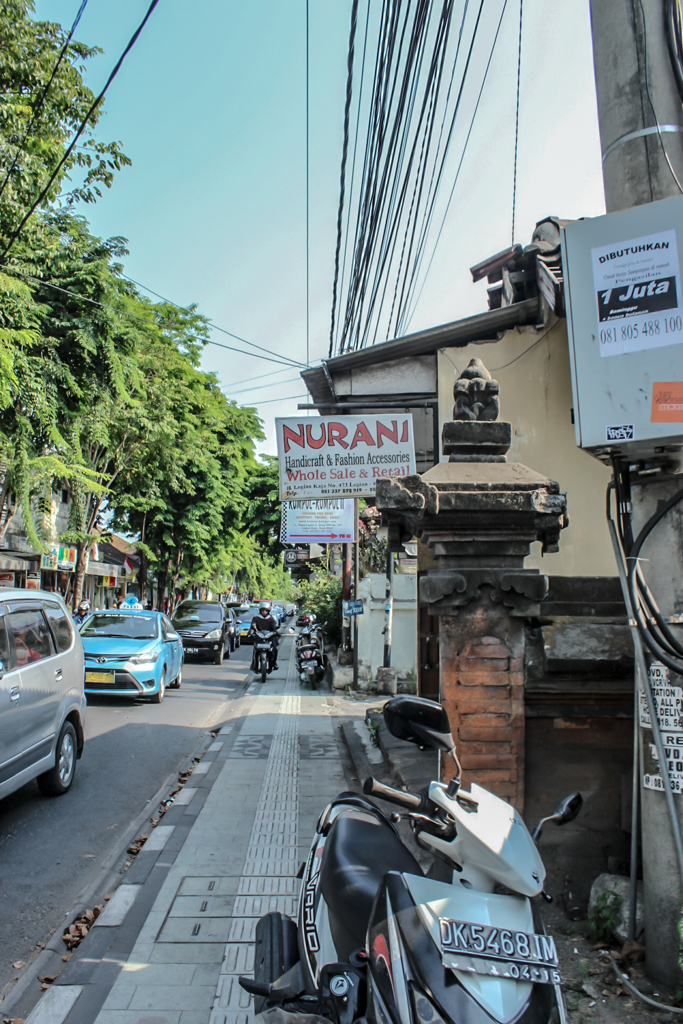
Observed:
{"x":359,"y":851}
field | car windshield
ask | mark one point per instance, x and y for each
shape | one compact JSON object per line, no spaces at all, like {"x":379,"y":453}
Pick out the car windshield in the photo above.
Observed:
{"x":246,"y":617}
{"x":195,"y":611}
{"x":128,"y":627}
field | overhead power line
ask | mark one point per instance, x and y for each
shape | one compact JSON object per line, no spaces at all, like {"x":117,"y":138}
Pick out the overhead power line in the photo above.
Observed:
{"x":130,"y":316}
{"x":39,"y":102}
{"x":81,"y":128}
{"x":514,"y":171}
{"x":291,"y":362}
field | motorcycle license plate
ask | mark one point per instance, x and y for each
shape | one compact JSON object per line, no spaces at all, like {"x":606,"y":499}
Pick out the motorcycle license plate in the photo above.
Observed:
{"x":262,"y":647}
{"x":484,"y":949}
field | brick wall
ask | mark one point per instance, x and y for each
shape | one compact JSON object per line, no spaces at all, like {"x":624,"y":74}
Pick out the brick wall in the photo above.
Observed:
{"x":482,"y":689}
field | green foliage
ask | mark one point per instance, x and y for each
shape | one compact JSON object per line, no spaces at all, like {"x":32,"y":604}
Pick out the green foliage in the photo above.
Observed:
{"x":604,"y":917}
{"x":374,"y":730}
{"x":322,"y":595}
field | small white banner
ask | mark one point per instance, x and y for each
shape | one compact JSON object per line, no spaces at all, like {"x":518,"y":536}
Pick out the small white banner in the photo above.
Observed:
{"x":342,"y":456}
{"x":319,"y":521}
{"x":638,"y":294}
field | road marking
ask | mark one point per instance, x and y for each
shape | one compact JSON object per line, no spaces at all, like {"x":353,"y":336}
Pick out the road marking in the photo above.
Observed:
{"x":118,"y":906}
{"x":225,"y":730}
{"x":55,"y":1005}
{"x":159,"y":837}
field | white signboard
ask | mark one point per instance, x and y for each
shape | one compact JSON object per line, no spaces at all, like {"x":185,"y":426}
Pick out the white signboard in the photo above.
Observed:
{"x":342,"y":456}
{"x":638,"y":294}
{"x":669,"y":704}
{"x":319,"y":520}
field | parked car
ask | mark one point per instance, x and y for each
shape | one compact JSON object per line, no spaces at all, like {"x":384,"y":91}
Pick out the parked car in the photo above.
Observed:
{"x":206,"y":628}
{"x":42,"y":703}
{"x":131,"y":654}
{"x":306,"y":619}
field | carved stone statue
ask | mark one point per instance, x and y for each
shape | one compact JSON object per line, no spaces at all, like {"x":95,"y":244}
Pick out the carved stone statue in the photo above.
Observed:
{"x":476,"y":394}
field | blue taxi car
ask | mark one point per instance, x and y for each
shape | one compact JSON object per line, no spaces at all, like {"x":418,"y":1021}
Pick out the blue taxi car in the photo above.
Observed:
{"x":131,"y":654}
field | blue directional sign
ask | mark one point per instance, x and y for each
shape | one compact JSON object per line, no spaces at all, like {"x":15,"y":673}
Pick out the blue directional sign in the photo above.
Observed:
{"x":352,"y":608}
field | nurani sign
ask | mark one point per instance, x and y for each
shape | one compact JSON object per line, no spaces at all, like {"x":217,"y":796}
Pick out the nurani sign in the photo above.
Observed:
{"x":342,"y":456}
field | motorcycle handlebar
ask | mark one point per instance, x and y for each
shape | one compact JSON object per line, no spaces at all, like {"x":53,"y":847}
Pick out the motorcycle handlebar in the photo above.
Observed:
{"x":371,"y":787}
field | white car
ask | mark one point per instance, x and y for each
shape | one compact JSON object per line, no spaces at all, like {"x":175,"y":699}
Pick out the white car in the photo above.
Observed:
{"x":42,"y":700}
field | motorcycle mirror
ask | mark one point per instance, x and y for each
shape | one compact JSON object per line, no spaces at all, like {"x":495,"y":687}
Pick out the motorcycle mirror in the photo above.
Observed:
{"x":565,"y":811}
{"x":420,"y":721}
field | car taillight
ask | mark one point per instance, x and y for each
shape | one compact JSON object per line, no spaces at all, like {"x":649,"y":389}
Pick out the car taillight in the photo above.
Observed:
{"x":308,"y":654}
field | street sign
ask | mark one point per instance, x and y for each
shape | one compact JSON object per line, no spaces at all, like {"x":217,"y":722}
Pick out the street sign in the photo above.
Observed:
{"x":321,"y":520}
{"x":350,"y":608}
{"x":342,"y":456}
{"x":296,"y":557}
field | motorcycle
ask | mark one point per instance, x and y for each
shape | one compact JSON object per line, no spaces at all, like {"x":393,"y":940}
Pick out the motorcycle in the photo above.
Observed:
{"x":264,"y":653}
{"x":310,"y":656}
{"x":377,"y":941}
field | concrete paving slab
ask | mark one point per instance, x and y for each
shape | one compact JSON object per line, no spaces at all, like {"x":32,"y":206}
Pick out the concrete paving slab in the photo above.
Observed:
{"x":184,"y":796}
{"x":55,"y":1005}
{"x":159,"y":837}
{"x":118,"y":906}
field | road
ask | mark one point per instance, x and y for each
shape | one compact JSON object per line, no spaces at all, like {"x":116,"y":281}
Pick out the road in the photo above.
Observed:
{"x":52,"y":848}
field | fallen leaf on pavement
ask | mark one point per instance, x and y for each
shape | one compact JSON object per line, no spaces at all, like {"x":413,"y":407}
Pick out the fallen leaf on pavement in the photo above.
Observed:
{"x":109,"y":895}
{"x":67,"y":957}
{"x":633,"y":950}
{"x":47,"y":979}
{"x":18,"y":964}
{"x":40,"y":945}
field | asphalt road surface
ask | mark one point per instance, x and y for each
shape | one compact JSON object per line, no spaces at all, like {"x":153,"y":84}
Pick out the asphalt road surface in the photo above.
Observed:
{"x":52,"y":848}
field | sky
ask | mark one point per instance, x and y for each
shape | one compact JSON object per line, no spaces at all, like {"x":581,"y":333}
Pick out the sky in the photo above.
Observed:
{"x":210,"y":105}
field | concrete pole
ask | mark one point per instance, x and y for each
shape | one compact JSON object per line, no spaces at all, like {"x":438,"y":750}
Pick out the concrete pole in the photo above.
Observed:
{"x":636,"y":91}
{"x":635,"y":170}
{"x":388,"y":608}
{"x":346,"y":593}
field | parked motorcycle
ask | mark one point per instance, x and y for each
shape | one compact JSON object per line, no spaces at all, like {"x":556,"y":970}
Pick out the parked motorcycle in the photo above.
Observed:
{"x":264,"y":652}
{"x":310,"y":656}
{"x":377,"y":939}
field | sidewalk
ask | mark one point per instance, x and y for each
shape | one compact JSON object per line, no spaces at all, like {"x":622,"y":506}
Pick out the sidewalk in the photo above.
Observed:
{"x":173,"y":939}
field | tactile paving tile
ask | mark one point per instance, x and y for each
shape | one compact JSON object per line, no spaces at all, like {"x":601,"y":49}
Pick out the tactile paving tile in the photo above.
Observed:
{"x":268,"y":882}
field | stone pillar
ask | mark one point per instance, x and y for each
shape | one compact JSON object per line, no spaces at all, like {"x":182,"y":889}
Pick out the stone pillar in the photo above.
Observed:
{"x":480,"y":514}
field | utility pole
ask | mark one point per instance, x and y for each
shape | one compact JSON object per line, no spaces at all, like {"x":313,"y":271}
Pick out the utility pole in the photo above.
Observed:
{"x":346,"y":593}
{"x":388,"y":608}
{"x":641,"y":134}
{"x":632,"y":78}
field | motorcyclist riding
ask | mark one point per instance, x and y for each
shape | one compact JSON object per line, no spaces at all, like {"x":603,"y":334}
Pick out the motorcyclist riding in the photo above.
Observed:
{"x":82,"y":613}
{"x":265,"y":622}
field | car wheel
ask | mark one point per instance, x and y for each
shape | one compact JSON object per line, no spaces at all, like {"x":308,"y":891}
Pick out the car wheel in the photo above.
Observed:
{"x":178,"y":681}
{"x":227,"y":649}
{"x":58,"y":780}
{"x":157,"y":698}
{"x":218,"y":657}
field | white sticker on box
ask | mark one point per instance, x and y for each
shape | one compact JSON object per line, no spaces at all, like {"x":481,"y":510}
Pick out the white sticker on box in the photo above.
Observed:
{"x":638,"y":294}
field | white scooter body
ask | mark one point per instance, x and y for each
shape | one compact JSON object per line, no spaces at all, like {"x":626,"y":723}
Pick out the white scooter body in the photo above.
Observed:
{"x":492,"y":847}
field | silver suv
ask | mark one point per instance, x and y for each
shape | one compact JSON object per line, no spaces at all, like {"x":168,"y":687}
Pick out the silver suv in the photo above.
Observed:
{"x":42,"y":703}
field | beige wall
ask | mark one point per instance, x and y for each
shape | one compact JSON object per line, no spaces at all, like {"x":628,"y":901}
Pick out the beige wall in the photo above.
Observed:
{"x":536,"y":397}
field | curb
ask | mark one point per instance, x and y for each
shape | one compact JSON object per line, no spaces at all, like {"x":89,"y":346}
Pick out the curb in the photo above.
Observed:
{"x":108,"y":879}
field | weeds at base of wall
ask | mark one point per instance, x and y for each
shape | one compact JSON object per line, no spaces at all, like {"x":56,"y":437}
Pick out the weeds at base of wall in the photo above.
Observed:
{"x":604,"y":917}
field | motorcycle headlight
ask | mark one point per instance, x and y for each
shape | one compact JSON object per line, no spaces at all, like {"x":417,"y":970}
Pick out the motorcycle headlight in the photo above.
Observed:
{"x":215,"y":634}
{"x":425,"y":1011}
{"x":146,"y":658}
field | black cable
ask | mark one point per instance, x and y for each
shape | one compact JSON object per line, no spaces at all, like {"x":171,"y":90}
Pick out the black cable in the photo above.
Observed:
{"x":409,"y":307}
{"x":135,"y":316}
{"x":293,"y":363}
{"x":514,"y":172}
{"x":345,"y":149}
{"x":674,"y":39}
{"x":652,"y":106}
{"x":80,"y":130}
{"x":41,"y":100}
{"x":645,"y":629}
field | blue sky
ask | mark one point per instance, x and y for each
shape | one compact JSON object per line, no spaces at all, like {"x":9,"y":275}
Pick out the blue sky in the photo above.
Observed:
{"x":210,"y":106}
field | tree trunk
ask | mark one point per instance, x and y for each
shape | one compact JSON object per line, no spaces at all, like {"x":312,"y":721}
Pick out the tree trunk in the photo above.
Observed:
{"x":143,"y":578}
{"x":162,"y":581}
{"x":79,"y":575}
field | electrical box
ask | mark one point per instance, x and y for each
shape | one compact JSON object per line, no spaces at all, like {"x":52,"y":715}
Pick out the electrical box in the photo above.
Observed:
{"x":625,"y":324}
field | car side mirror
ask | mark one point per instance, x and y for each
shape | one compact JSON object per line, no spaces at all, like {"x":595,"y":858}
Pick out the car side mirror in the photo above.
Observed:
{"x":173,"y":636}
{"x":565,"y":811}
{"x":420,"y":721}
